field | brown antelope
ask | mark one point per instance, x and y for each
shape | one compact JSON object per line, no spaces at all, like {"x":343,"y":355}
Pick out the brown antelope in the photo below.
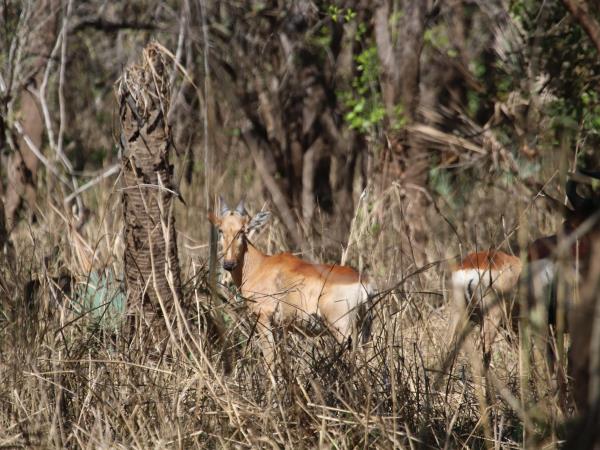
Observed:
{"x":285,"y":290}
{"x":483,"y":280}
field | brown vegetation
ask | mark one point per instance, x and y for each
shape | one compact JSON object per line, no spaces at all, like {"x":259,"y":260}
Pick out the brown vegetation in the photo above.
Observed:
{"x":390,"y":136}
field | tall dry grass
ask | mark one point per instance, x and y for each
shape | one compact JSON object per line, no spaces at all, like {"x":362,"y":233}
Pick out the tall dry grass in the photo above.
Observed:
{"x":70,"y":379}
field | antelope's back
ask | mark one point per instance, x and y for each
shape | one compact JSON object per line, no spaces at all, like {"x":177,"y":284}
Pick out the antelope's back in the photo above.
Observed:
{"x":487,"y":268}
{"x":320,"y":281}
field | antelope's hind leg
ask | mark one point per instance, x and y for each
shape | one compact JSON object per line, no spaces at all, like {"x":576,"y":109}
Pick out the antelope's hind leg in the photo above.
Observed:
{"x":492,"y":320}
{"x":336,"y":316}
{"x":341,"y":328}
{"x":460,"y":309}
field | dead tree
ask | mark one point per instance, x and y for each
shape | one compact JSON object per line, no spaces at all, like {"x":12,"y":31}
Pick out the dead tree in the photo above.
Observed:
{"x":151,"y":261}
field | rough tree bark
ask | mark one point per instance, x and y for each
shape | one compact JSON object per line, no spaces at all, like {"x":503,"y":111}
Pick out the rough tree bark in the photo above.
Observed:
{"x":151,"y":261}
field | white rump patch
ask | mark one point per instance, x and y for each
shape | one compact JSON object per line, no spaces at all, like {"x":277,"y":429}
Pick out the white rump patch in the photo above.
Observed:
{"x":353,"y":294}
{"x":476,"y":278}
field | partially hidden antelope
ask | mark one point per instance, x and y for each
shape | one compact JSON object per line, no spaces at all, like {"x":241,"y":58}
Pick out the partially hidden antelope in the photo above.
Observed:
{"x":483,"y":282}
{"x":286,"y":291}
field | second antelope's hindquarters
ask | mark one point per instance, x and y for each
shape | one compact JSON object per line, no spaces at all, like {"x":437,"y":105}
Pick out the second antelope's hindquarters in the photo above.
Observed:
{"x":482,"y":270}
{"x":474,"y":282}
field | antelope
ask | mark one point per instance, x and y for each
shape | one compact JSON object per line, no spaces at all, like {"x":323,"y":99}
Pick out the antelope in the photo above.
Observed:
{"x":284,"y":290}
{"x":484,"y":280}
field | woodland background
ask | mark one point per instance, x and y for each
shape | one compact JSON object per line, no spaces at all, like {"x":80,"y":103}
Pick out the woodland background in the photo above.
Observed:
{"x":393,"y":136}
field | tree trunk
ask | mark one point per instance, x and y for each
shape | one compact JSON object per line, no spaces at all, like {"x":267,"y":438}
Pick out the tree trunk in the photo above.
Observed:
{"x":400,"y":71}
{"x":23,"y":164}
{"x":585,"y":328}
{"x":151,"y":261}
{"x":584,"y":357}
{"x":6,"y":249}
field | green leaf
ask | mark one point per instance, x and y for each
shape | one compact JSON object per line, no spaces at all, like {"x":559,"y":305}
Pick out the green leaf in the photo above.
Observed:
{"x":101,"y":299}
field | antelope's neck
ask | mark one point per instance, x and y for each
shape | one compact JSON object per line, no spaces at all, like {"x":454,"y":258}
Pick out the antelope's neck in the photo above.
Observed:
{"x":251,"y":261}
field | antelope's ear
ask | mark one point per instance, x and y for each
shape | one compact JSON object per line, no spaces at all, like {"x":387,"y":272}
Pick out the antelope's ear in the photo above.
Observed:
{"x":215,"y":220}
{"x":258,"y":221}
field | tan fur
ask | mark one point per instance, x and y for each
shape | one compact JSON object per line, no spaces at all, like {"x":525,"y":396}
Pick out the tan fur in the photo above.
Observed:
{"x":492,"y":259}
{"x":285,"y":290}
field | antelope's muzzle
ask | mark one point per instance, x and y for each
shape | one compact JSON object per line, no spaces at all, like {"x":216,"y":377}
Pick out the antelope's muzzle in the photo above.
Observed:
{"x":229,"y":265}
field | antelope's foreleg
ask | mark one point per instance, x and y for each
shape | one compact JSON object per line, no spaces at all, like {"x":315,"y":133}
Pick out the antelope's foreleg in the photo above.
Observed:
{"x":266,"y":340}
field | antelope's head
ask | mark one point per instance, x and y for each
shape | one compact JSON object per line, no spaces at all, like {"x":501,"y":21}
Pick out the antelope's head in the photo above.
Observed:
{"x":234,"y":226}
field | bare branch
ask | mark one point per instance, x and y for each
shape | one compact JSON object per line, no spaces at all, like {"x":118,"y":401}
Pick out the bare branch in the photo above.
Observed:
{"x":36,"y":151}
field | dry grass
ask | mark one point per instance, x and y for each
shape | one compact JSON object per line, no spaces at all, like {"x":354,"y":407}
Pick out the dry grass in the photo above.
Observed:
{"x":150,"y":382}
